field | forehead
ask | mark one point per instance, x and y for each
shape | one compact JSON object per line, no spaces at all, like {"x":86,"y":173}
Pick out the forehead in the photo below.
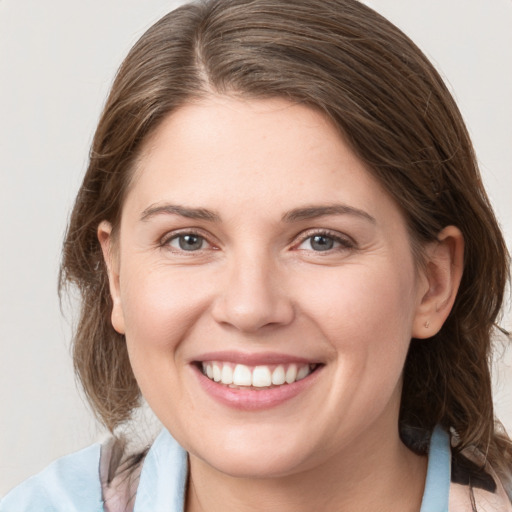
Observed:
{"x":227,"y":153}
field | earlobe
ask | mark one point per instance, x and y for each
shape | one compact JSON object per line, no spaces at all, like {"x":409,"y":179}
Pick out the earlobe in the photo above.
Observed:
{"x":442,"y":275}
{"x":105,"y":238}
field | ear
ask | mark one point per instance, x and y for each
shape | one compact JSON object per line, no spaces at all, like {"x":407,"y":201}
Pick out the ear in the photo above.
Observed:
{"x":111,"y":257}
{"x":442,"y":274}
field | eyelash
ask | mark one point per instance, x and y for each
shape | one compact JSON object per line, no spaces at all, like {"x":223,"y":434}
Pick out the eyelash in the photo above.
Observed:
{"x":169,"y":237}
{"x":345,"y":242}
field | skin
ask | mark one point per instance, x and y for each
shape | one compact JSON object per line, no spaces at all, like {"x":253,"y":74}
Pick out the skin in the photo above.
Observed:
{"x":257,"y":284}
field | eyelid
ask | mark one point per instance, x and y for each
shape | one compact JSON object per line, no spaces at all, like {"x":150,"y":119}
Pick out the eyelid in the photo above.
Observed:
{"x":163,"y":241}
{"x":346,"y":241}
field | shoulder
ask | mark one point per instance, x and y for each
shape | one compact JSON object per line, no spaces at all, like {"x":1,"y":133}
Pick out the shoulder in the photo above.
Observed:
{"x":475,"y":485}
{"x":70,"y":484}
{"x":457,"y":482}
{"x":82,"y":482}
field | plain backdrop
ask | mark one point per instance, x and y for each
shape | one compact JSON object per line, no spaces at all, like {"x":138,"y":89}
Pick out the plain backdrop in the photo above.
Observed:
{"x":57,"y":61}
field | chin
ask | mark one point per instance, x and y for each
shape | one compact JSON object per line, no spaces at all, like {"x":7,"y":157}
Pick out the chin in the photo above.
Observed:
{"x":260,"y":466}
{"x":256,"y":456}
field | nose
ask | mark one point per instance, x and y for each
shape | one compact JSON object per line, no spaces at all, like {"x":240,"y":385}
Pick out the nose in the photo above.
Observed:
{"x":253,"y":296}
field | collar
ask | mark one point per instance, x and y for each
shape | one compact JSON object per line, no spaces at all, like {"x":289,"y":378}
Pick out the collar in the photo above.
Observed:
{"x":163,"y":479}
{"x":437,"y":485}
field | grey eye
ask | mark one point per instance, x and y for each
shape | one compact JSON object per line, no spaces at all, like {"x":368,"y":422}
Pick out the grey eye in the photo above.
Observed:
{"x":321,"y":243}
{"x":188,"y":242}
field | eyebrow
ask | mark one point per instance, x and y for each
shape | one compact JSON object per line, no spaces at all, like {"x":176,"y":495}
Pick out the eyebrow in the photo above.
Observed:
{"x":183,"y":211}
{"x":312,"y":212}
{"x":295,"y":215}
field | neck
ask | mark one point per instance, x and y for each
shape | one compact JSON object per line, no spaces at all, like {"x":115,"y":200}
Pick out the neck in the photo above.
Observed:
{"x":363,"y":477}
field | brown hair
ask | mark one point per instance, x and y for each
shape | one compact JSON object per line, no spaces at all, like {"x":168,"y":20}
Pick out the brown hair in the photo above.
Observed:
{"x":345,"y":60}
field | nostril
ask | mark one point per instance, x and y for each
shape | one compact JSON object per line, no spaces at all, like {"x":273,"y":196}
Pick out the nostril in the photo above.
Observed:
{"x":254,"y":308}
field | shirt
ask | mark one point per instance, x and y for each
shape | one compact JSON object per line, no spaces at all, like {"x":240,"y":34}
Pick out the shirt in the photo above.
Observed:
{"x":72,"y":483}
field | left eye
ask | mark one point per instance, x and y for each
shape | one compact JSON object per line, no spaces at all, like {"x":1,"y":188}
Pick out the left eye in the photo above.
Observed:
{"x":319,"y":243}
{"x":188,"y":242}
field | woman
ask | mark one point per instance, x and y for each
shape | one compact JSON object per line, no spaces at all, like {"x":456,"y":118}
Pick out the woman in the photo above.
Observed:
{"x":283,"y":244}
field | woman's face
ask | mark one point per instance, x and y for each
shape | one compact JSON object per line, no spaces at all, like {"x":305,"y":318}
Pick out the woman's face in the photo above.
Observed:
{"x":255,"y":248}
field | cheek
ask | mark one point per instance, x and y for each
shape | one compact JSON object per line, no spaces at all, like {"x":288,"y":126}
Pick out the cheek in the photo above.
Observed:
{"x":160,"y":306}
{"x":365,"y":310}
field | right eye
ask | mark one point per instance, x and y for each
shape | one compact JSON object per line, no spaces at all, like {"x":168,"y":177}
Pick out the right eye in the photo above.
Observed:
{"x":189,"y":242}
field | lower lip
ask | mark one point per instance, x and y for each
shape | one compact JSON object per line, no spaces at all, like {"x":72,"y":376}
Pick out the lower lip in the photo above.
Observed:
{"x":255,"y":399}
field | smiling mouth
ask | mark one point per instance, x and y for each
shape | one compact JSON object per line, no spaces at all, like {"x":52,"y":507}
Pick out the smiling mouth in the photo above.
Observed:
{"x":242,"y":376}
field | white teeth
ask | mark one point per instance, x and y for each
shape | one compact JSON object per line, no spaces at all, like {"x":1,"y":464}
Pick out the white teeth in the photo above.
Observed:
{"x":278,"y":376}
{"x":216,"y":372}
{"x":242,"y":375}
{"x":291,"y":374}
{"x":227,"y":374}
{"x":303,"y":372}
{"x":261,"y":377}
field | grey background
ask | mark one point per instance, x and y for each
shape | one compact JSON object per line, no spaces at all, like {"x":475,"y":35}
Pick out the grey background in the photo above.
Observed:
{"x":57,"y":60}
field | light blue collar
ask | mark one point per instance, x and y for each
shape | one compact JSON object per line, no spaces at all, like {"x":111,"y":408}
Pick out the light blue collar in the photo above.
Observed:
{"x":163,"y":480}
{"x":437,"y":484}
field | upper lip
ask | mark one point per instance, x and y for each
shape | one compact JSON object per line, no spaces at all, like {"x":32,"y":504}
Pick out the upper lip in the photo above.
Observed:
{"x":254,"y":359}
